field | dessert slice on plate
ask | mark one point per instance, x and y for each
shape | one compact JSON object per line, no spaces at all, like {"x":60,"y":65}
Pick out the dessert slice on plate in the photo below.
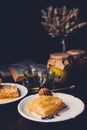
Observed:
{"x":46,"y":105}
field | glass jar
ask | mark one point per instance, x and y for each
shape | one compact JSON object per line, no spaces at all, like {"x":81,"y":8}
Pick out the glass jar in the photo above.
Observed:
{"x":60,"y":63}
{"x":31,"y":82}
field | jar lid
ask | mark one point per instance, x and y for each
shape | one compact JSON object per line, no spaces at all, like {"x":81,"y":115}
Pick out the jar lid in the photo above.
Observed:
{"x":59,"y":55}
{"x":76,"y":52}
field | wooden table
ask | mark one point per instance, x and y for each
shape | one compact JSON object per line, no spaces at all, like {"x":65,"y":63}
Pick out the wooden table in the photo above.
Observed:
{"x":10,"y":119}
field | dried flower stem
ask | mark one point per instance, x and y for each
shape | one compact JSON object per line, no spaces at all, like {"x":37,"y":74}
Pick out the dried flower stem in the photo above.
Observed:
{"x":63,"y":46}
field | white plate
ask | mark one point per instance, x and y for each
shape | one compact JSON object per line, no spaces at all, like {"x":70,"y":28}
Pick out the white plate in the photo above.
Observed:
{"x":75,"y":105}
{"x":23,"y":91}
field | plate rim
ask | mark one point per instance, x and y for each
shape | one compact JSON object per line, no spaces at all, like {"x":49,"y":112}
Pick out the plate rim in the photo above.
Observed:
{"x":15,"y":99}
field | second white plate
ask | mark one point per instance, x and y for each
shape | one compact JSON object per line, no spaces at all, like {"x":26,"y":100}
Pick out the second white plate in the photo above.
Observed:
{"x":72,"y":102}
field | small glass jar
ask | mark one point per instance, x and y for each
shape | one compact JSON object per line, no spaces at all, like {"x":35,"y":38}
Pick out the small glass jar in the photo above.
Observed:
{"x":31,"y":82}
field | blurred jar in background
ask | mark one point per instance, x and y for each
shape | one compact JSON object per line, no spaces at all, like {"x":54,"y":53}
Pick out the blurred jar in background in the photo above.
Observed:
{"x":76,"y":53}
{"x":79,"y":67}
{"x":31,"y":82}
{"x":60,"y":64}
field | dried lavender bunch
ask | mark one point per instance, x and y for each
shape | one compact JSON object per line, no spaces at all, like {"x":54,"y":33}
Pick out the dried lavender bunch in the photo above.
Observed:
{"x":61,"y":21}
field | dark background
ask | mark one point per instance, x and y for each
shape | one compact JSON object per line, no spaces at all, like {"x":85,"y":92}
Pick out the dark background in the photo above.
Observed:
{"x":23,"y":36}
